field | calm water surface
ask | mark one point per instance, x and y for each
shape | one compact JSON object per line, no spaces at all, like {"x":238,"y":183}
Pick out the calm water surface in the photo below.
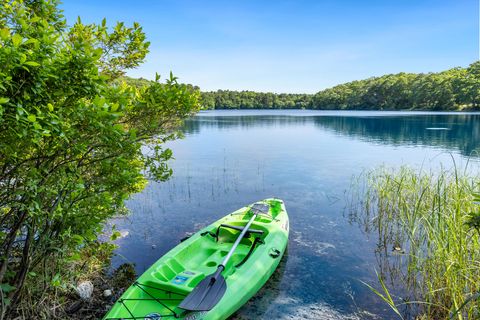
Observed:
{"x":232,"y":158}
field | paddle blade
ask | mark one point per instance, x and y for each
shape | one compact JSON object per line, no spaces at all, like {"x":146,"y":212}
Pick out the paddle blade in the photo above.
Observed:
{"x":205,"y":295}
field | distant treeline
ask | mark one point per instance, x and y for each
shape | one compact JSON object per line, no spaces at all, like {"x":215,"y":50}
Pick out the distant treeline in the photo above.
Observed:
{"x":226,"y":99}
{"x":454,"y":89}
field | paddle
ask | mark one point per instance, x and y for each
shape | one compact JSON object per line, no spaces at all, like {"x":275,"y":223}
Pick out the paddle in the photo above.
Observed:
{"x":212,"y":288}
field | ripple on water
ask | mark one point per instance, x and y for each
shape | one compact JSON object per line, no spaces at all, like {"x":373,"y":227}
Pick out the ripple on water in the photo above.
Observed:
{"x":284,"y":307}
{"x":319,"y":247}
{"x":437,"y":128}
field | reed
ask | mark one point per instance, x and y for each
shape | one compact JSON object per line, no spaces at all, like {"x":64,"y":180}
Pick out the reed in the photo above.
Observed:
{"x":426,"y":239}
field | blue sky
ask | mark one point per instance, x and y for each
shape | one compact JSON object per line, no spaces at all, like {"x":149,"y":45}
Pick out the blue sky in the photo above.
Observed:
{"x":292,"y":46}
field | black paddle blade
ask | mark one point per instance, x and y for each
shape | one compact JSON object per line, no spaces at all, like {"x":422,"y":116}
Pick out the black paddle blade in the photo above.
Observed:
{"x":205,"y":295}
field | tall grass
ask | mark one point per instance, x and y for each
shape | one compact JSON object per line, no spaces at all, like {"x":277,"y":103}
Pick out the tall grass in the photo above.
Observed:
{"x":425,"y":239}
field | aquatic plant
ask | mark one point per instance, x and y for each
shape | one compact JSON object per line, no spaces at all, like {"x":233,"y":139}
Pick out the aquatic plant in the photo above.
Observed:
{"x":428,"y":244}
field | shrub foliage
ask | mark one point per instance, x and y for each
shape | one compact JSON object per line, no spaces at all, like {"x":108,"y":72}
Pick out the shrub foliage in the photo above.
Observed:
{"x":75,"y":141}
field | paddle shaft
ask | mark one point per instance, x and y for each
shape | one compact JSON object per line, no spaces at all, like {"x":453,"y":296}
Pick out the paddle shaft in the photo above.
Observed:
{"x":211,"y":289}
{"x":240,"y":237}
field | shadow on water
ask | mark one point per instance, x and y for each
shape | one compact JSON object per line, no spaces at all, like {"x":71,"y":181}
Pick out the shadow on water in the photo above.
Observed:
{"x":258,"y":306}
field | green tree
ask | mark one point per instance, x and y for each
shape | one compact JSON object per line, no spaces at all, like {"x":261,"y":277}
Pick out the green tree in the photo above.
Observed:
{"x":72,"y":133}
{"x":471,"y":84}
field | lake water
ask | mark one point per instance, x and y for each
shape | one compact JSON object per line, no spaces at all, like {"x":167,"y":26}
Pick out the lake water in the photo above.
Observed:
{"x":228,"y":159}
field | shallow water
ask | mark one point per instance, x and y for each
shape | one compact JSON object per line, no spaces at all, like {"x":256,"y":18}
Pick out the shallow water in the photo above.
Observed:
{"x":307,"y":158}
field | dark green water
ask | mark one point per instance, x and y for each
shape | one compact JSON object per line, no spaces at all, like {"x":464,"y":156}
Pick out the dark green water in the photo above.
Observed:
{"x":232,"y":158}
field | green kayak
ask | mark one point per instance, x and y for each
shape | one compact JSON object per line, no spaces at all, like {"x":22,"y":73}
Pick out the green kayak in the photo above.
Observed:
{"x":214,"y":272}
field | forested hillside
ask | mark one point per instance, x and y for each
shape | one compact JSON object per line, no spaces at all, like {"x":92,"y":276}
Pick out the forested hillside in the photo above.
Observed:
{"x":454,"y":89}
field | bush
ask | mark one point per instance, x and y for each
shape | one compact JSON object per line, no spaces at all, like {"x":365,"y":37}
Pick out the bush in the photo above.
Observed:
{"x":71,"y":134}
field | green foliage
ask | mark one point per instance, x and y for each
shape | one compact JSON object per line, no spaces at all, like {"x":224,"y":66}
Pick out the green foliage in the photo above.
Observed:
{"x":454,"y":89}
{"x":72,"y":132}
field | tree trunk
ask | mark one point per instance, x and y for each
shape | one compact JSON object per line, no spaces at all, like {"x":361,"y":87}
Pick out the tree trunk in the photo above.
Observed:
{"x":24,"y":267}
{"x":8,"y":244}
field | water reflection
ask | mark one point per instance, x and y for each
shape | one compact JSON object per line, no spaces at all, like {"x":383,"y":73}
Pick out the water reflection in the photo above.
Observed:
{"x":460,"y":131}
{"x":412,"y":130}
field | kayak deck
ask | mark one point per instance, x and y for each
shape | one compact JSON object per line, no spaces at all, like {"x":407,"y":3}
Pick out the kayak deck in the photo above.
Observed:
{"x":163,"y":295}
{"x":159,"y":291}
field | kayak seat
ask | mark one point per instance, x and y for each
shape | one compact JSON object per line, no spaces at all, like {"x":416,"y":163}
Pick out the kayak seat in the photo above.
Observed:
{"x":256,"y":242}
{"x":229,"y":226}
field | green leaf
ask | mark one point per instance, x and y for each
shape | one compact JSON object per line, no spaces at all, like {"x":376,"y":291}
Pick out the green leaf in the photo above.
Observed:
{"x":118,"y":127}
{"x":75,"y":257}
{"x":77,"y":239}
{"x":50,"y":107}
{"x":476,"y":197}
{"x":57,"y":279}
{"x":115,"y":235}
{"x":30,"y":41}
{"x":32,"y":118}
{"x":4,"y":100}
{"x":6,"y":301}
{"x":5,"y":287}
{"x":32,"y":63}
{"x":17,"y":40}
{"x":97,"y":53}
{"x":4,"y":33}
{"x":133,"y":133}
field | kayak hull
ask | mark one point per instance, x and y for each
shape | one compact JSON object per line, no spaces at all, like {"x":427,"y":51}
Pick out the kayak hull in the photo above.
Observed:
{"x":157,"y":293}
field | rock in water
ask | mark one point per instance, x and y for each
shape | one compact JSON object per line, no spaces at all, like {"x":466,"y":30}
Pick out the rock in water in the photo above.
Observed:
{"x":85,"y":290}
{"x":107,"y":293}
